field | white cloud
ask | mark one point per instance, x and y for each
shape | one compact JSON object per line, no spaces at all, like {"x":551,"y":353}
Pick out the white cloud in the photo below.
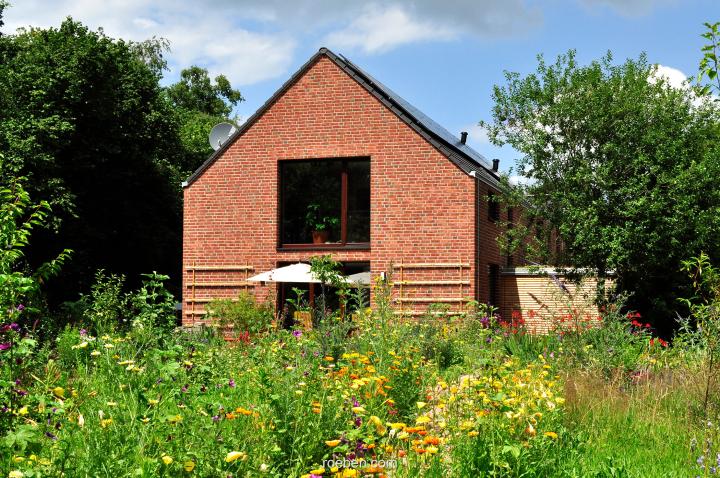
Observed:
{"x":673,"y":76}
{"x":377,"y":30}
{"x":477,"y":135}
{"x":521,"y":180}
{"x":254,"y":40}
{"x":197,"y":33}
{"x":677,"y":79}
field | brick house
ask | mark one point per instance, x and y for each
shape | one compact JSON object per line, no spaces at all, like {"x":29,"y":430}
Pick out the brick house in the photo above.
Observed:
{"x":398,"y":193}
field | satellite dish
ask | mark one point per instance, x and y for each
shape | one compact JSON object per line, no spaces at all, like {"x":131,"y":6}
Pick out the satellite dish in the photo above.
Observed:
{"x":220,"y":133}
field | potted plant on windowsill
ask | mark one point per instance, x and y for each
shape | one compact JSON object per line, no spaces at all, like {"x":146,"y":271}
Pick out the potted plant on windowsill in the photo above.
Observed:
{"x":319,"y":224}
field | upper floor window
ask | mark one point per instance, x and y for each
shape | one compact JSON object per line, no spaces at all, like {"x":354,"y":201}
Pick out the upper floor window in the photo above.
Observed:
{"x":493,"y":207}
{"x":325,"y":203}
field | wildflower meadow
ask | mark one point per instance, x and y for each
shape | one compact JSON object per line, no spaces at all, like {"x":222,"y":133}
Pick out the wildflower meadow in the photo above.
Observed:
{"x":364,"y":394}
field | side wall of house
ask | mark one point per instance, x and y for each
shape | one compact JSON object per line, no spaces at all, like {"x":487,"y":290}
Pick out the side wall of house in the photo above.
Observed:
{"x":491,"y":260}
{"x":421,"y":203}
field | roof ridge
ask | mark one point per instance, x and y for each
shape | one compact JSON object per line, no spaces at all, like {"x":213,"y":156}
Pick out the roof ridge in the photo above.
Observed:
{"x":463,"y":156}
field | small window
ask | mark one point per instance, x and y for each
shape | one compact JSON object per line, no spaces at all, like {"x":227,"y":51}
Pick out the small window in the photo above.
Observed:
{"x":493,"y":207}
{"x":325,"y":203}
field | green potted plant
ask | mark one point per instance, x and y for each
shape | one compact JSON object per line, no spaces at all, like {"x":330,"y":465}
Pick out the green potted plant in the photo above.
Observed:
{"x":319,"y":224}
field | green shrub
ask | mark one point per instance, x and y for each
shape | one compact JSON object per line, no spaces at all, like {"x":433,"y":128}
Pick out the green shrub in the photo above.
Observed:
{"x":243,"y":315}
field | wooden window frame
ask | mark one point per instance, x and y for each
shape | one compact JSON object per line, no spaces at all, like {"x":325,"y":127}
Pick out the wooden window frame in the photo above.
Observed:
{"x":343,"y":244}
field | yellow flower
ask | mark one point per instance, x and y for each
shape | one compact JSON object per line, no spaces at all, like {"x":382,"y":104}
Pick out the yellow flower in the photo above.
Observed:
{"x":332,"y":443}
{"x":23,"y":411}
{"x":431,"y":450}
{"x":423,"y":419}
{"x":95,"y":353}
{"x":59,"y":392}
{"x":379,"y":427}
{"x":349,"y":473}
{"x":106,"y":422}
{"x":145,"y":420}
{"x":166,"y":459}
{"x":16,"y":474}
{"x":473,"y":433}
{"x":398,"y":426}
{"x":189,"y":466}
{"x":175,"y":419}
{"x":421,"y":404}
{"x":152,"y":401}
{"x":552,"y":435}
{"x":317,"y":471}
{"x":235,"y":455}
{"x":358,"y":410}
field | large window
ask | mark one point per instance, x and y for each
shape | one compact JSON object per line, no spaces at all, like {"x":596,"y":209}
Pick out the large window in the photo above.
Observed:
{"x":325,"y":203}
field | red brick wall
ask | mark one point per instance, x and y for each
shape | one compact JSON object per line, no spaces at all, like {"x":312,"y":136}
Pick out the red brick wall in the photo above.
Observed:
{"x":422,"y":205}
{"x":489,"y":252}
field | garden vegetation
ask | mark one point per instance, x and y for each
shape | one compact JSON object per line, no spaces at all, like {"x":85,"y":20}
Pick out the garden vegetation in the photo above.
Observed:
{"x":108,"y":385}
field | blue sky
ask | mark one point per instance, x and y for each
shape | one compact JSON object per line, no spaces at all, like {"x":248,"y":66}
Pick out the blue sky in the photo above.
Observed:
{"x":442,"y":56}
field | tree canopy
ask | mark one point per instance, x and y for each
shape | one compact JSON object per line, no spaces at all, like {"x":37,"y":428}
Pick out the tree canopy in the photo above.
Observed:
{"x":199,"y":104}
{"x":621,"y":164}
{"x":84,"y":118}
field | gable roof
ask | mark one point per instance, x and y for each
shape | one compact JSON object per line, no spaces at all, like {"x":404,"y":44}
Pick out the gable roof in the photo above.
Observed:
{"x":444,"y":141}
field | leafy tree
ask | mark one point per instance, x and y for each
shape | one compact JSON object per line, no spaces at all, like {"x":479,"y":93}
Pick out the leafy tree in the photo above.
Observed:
{"x":3,"y":6}
{"x":19,"y":288}
{"x":84,"y":118}
{"x":196,"y":92}
{"x":200,"y":104}
{"x":623,"y":167}
{"x":709,"y":62}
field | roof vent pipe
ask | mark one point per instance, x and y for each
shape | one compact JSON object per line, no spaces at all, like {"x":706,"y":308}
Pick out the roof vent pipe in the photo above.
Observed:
{"x":496,"y":164}
{"x":463,"y":137}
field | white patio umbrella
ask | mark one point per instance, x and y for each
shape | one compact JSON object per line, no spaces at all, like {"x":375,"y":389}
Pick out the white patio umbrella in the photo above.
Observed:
{"x":361,"y":279}
{"x":299,"y":272}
